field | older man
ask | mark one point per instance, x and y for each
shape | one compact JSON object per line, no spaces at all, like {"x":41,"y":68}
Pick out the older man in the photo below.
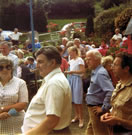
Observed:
{"x":51,"y":106}
{"x":98,"y":94}
{"x":5,"y":48}
{"x":121,"y":100}
{"x":81,"y":49}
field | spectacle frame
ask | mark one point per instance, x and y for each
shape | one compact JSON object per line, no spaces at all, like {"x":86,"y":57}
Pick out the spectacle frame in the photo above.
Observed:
{"x":7,"y":67}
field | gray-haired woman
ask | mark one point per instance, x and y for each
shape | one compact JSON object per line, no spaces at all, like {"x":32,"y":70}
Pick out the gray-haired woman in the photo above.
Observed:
{"x":13,"y":98}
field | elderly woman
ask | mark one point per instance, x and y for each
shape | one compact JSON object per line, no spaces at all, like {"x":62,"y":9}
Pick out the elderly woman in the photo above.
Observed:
{"x":13,"y":99}
{"x":107,"y":62}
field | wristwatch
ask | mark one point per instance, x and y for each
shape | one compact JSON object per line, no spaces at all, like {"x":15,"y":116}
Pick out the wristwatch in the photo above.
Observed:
{"x":1,"y":109}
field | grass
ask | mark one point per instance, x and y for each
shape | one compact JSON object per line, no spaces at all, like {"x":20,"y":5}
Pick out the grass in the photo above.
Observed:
{"x":62,"y":22}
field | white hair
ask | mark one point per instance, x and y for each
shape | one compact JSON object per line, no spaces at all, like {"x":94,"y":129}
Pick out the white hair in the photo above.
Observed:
{"x":77,"y":39}
{"x":65,"y":38}
{"x":96,"y":54}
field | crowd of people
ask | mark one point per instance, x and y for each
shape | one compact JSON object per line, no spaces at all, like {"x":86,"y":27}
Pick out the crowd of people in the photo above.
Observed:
{"x":64,"y":70}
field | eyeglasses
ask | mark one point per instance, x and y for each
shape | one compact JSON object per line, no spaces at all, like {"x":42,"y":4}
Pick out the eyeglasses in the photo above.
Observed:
{"x":8,"y":67}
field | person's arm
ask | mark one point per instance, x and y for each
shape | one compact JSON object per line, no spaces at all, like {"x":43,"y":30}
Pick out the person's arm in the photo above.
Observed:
{"x":4,"y":115}
{"x":18,"y":106}
{"x":106,"y":86}
{"x":19,"y":72}
{"x":4,"y":111}
{"x":82,"y":70}
{"x":22,"y":99}
{"x":113,"y":120}
{"x":125,"y":123}
{"x":45,"y":126}
{"x":10,"y":37}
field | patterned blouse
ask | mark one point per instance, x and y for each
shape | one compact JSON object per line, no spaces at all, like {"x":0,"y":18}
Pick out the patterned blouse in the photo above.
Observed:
{"x":13,"y":92}
{"x":122,"y":100}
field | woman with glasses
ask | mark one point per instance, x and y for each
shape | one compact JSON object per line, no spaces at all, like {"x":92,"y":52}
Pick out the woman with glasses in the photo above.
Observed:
{"x":13,"y":99}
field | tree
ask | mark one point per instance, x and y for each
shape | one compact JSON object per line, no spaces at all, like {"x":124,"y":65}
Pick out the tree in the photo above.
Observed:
{"x":110,"y":3}
{"x":89,"y":25}
{"x":123,"y":18}
{"x":40,"y":20}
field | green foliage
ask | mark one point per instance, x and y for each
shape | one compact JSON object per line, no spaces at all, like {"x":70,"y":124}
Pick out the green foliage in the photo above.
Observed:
{"x":104,"y":22}
{"x":122,"y":20}
{"x":40,"y":20}
{"x":62,"y":22}
{"x":78,"y":9}
{"x":52,"y":27}
{"x":106,"y":4}
{"x":17,"y":15}
{"x":98,"y":7}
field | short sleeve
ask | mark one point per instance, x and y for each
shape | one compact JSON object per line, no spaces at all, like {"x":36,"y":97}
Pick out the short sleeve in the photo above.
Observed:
{"x":54,"y":100}
{"x":81,"y":61}
{"x":23,"y":92}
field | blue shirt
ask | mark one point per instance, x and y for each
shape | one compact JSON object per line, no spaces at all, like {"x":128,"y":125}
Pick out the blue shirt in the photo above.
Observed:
{"x":37,"y":45}
{"x":14,"y":59}
{"x":32,"y":66}
{"x":100,"y":89}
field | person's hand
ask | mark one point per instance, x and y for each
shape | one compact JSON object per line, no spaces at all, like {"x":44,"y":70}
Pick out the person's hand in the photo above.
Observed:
{"x":97,"y":110}
{"x":105,"y":117}
{"x":109,"y":119}
{"x":68,"y":72}
{"x":4,"y":115}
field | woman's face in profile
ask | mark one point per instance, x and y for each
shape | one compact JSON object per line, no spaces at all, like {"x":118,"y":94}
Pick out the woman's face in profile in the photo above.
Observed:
{"x":109,"y":66}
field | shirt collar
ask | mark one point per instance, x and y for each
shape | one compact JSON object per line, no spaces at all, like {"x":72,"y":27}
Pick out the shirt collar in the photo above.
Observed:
{"x":8,"y":82}
{"x":96,"y":70}
{"x":120,"y":86}
{"x":49,"y":76}
{"x":128,"y":83}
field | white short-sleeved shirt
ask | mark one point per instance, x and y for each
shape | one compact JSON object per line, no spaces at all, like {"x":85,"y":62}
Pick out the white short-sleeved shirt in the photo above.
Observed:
{"x":75,"y":63}
{"x":15,"y":36}
{"x":52,"y":98}
{"x":116,"y":36}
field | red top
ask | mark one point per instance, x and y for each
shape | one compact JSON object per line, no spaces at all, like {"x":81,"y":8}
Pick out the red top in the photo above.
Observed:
{"x":64,"y":65}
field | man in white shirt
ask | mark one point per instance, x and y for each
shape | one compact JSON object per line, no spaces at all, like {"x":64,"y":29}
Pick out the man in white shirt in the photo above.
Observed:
{"x":50,"y":108}
{"x":14,"y":36}
{"x":117,"y":34}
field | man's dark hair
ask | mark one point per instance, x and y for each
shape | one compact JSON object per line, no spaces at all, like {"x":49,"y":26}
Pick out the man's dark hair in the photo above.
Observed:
{"x":126,"y":60}
{"x":50,"y":52}
{"x":59,"y":49}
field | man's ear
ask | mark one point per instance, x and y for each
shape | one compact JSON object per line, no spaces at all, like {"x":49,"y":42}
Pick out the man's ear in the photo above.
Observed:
{"x":52,"y":62}
{"x":127,"y":68}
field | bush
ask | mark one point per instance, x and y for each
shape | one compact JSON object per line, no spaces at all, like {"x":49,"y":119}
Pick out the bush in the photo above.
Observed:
{"x":89,"y":26}
{"x":122,"y":20}
{"x":52,"y":27}
{"x":40,"y":20}
{"x":104,"y":22}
